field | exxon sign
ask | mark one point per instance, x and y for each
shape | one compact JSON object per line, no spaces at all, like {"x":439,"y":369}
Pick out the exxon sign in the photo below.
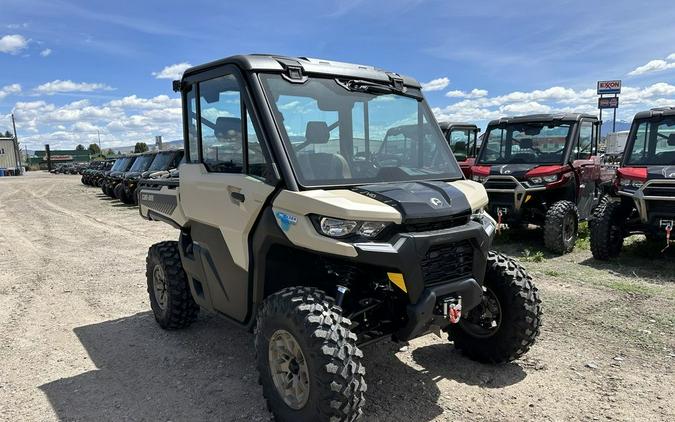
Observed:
{"x":609,"y":87}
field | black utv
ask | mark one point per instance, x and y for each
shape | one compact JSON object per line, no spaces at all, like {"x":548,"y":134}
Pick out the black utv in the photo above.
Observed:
{"x":544,"y":170}
{"x":161,"y":167}
{"x":114,"y":176}
{"x":644,"y":187}
{"x":140,"y":166}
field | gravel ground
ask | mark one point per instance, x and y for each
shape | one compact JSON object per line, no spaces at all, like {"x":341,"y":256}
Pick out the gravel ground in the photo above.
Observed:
{"x":77,"y":341}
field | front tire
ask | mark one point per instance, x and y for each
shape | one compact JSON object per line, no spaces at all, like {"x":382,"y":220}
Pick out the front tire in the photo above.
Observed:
{"x":170,"y":296}
{"x":608,"y":232}
{"x":561,"y":227}
{"x":118,"y":191}
{"x":506,"y":324}
{"x":310,"y":367}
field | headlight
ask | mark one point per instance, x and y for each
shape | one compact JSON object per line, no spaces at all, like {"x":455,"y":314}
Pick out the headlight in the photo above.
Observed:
{"x":338,"y":228}
{"x":536,"y":180}
{"x":478,"y":178}
{"x":550,"y":179}
{"x":629,"y":183}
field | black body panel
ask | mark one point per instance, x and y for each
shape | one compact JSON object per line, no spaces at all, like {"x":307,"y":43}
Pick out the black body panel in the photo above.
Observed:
{"x":516,"y":170}
{"x":418,"y":201}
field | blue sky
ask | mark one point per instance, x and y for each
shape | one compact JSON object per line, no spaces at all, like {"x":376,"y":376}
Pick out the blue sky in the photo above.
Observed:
{"x":70,"y":68}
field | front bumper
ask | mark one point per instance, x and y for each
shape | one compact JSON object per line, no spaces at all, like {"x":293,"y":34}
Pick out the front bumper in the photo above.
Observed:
{"x":508,"y":194}
{"x":654,"y":201}
{"x":408,"y":254}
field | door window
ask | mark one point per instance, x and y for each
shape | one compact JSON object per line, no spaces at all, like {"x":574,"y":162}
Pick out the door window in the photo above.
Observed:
{"x":585,"y":145}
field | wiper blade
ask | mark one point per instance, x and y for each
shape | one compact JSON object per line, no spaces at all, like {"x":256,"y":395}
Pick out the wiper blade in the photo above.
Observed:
{"x":359,"y":85}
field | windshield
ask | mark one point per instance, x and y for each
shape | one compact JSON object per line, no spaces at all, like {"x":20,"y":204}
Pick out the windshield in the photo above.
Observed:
{"x":337,"y":136}
{"x":525,"y":143}
{"x":142,"y":162}
{"x":653,"y":142}
{"x":461,"y":142}
{"x":162,"y":161}
{"x":119,"y":164}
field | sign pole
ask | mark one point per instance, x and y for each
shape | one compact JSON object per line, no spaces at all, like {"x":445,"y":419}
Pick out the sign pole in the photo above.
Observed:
{"x":614,"y":120}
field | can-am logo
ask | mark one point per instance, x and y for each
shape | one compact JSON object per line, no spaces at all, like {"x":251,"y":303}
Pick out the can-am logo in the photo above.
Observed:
{"x":669,"y":172}
{"x":504,"y":170}
{"x":436,"y":203}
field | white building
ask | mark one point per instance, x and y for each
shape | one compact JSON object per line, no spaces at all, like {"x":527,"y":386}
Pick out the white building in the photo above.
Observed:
{"x":8,"y":158}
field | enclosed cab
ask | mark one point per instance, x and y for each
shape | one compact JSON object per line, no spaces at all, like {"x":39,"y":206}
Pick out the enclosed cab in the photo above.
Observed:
{"x":463,"y":140}
{"x":164,"y":164}
{"x":644,"y":188}
{"x":543,"y":170}
{"x":321,"y":207}
{"x":114,"y":177}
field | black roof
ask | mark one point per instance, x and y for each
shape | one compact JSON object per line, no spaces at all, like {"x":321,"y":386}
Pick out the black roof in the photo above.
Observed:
{"x":276,"y":64}
{"x":445,"y":125}
{"x":656,"y":112}
{"x":542,"y":118}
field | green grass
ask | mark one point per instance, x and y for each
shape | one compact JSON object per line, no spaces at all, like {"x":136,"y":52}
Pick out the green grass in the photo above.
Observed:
{"x":532,"y":256}
{"x":631,"y":287}
{"x":584,"y":237}
{"x":552,"y":273}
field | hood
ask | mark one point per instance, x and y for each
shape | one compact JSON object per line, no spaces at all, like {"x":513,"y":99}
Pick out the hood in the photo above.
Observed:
{"x":132,"y":175}
{"x":660,"y":172}
{"x":516,"y":170}
{"x":420,"y":200}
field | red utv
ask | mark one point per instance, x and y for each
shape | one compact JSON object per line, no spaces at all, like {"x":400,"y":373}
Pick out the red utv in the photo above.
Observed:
{"x":644,"y":188}
{"x":463,"y":140}
{"x":543,"y":170}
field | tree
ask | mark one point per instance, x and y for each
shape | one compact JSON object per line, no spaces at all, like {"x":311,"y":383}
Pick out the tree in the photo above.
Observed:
{"x":80,"y":147}
{"x":140,"y":147}
{"x":8,"y":134}
{"x":94,"y":149}
{"x":110,"y":152}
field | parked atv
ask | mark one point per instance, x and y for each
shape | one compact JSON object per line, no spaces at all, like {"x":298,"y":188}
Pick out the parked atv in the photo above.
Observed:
{"x":141,"y":165}
{"x":161,"y":167}
{"x":114,"y":176}
{"x":543,"y":170}
{"x":296,"y":224}
{"x":644,"y":187}
{"x":463,"y":140}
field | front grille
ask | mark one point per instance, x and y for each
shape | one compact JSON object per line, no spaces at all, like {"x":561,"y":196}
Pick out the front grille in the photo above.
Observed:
{"x":659,"y":189}
{"x":448,"y":262}
{"x":500,"y":184}
{"x":413,"y":226}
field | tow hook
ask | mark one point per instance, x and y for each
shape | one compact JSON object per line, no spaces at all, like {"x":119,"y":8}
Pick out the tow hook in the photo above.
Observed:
{"x":500,"y":214}
{"x":452,"y":309}
{"x":669,"y":228}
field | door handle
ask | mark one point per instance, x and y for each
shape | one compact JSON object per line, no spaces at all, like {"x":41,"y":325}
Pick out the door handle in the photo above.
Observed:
{"x":238,"y":196}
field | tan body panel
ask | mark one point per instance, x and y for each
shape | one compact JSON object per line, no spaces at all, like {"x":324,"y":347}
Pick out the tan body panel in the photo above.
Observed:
{"x":207,"y":198}
{"x":475,"y":193}
{"x":340,"y":203}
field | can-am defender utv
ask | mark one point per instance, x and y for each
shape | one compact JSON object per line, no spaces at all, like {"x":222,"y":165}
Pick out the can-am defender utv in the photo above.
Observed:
{"x":644,"y":186}
{"x":294,"y":225}
{"x":544,"y":170}
{"x":463,"y":140}
{"x":140,"y":166}
{"x":161,"y":167}
{"x":116,"y":173}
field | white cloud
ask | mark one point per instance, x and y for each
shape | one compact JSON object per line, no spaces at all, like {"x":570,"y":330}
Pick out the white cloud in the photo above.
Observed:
{"x":657,"y":65}
{"x":435,"y":84}
{"x":174,"y":71}
{"x":12,"y":44}
{"x":59,"y":86}
{"x":46,"y":52}
{"x":476,"y":108}
{"x":9,"y":89}
{"x":158,"y":102}
{"x":474,"y":93}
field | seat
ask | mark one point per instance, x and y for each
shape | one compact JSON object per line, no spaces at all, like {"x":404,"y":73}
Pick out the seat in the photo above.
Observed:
{"x":321,"y":165}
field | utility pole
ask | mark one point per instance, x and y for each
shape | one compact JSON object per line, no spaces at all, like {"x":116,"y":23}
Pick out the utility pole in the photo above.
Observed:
{"x":100,"y":151}
{"x":16,"y":143}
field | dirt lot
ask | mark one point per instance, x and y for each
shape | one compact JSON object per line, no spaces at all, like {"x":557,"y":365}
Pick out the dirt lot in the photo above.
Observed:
{"x":77,"y":341}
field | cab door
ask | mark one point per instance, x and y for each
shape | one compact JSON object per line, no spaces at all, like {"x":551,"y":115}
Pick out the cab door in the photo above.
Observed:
{"x":585,"y":166}
{"x":222,"y":190}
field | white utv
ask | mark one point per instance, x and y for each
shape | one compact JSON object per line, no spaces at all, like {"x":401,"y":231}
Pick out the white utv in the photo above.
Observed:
{"x":298,"y":224}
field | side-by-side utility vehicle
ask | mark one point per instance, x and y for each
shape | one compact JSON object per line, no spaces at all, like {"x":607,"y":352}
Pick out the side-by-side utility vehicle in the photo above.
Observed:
{"x":543,"y":170}
{"x":163,"y":163}
{"x":114,"y":176}
{"x":140,"y":165}
{"x":296,"y":224}
{"x":463,"y":140}
{"x":644,"y":187}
